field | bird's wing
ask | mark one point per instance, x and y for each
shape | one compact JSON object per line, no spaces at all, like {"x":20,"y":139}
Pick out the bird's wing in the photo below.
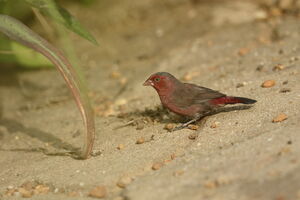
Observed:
{"x":191,"y":94}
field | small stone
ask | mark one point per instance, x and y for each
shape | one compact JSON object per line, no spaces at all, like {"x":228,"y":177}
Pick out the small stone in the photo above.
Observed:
{"x":243,"y":51}
{"x":210,"y":184}
{"x":190,"y":75}
{"x":178,"y":173}
{"x":41,"y":189}
{"x":98,"y":192}
{"x":224,"y":180}
{"x":284,"y":150}
{"x":193,"y":127}
{"x":284,"y":90}
{"x":10,"y":191}
{"x":285,"y":82}
{"x":193,"y":136}
{"x":240,"y":84}
{"x":278,"y":67}
{"x":293,"y":59}
{"x":260,"y":15}
{"x":140,"y":125}
{"x":115,"y":75}
{"x":173,"y":156}
{"x":260,"y":67}
{"x":268,"y":84}
{"x":214,"y":125}
{"x":280,"y":52}
{"x":25,"y":193}
{"x":141,"y":140}
{"x":28,"y":185}
{"x":157,"y":166}
{"x":123,"y":81}
{"x":276,"y":12}
{"x":169,"y":126}
{"x":121,"y":102}
{"x":74,"y":194}
{"x":289,"y":142}
{"x":120,"y":147}
{"x":279,"y":118}
{"x":124,"y":181}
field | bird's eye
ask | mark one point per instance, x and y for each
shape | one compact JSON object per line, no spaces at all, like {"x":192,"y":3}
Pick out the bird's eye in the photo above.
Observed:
{"x":157,"y":79}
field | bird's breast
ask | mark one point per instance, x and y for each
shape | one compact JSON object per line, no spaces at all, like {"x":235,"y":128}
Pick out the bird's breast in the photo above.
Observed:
{"x":190,"y":110}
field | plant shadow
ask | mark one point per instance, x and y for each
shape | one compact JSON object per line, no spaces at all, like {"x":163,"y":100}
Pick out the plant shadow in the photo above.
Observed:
{"x":14,"y":126}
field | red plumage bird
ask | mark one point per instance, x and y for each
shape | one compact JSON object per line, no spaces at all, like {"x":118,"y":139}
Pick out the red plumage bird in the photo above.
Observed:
{"x":189,"y":99}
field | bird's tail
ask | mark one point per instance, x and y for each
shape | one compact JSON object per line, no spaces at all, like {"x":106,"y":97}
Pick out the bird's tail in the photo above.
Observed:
{"x":233,"y":100}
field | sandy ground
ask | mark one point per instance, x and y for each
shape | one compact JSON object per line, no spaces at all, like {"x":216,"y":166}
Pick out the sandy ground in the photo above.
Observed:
{"x":236,"y":154}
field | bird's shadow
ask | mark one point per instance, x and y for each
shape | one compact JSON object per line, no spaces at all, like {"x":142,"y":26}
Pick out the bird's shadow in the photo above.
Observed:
{"x":162,"y":115}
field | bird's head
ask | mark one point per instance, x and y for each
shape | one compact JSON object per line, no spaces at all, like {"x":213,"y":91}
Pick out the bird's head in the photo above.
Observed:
{"x":161,"y":81}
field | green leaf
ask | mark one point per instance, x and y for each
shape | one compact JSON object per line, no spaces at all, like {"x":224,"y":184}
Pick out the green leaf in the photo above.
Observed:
{"x":62,"y":16}
{"x":17,"y":31}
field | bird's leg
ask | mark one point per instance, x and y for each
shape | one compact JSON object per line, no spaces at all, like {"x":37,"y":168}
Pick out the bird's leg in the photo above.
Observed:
{"x":197,"y":117}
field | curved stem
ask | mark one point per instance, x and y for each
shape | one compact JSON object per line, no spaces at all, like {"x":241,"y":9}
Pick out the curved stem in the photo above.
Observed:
{"x":19,"y":32}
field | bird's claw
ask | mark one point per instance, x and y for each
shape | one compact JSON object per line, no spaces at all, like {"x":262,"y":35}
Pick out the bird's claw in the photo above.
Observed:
{"x":177,"y":128}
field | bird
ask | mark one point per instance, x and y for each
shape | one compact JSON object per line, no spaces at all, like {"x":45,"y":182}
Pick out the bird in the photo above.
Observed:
{"x":188,"y":99}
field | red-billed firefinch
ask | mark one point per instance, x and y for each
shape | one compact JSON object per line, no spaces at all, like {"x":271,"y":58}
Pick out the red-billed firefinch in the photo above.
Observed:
{"x":189,"y":99}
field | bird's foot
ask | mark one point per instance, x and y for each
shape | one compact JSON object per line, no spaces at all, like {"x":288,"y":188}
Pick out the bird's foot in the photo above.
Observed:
{"x":187,"y":123}
{"x":177,"y":128}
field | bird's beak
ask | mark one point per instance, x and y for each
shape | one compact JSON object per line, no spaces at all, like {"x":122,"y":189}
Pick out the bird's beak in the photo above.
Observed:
{"x":148,"y":83}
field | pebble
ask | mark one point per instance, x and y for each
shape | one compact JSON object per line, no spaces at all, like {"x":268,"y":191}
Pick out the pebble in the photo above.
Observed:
{"x":115,"y":75}
{"x":268,"y":84}
{"x":157,"y":166}
{"x":41,"y":189}
{"x":190,"y":75}
{"x":173,"y":156}
{"x":278,"y":67}
{"x":178,"y":173}
{"x":276,"y":12}
{"x":28,"y":185}
{"x":260,"y":67}
{"x":210,"y":184}
{"x":10,"y":191}
{"x":284,"y":90}
{"x":25,"y":193}
{"x":73,"y":194}
{"x":279,"y":118}
{"x":141,"y":140}
{"x":124,"y":181}
{"x":240,"y":84}
{"x":169,"y":126}
{"x":123,"y":81}
{"x":224,"y":180}
{"x":193,"y":127}
{"x":193,"y":136}
{"x":284,"y":150}
{"x":140,"y":126}
{"x":214,"y":125}
{"x":98,"y":192}
{"x":121,"y":147}
{"x":243,"y":51}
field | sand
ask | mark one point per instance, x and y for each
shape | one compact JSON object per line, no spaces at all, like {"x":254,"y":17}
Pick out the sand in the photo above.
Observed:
{"x":239,"y":153}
